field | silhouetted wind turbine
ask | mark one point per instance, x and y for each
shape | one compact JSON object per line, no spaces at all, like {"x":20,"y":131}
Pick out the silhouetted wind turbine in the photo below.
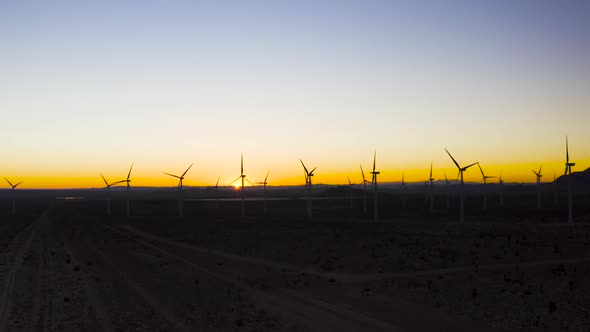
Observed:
{"x":374,"y":174}
{"x":539,"y":176}
{"x":264,"y":183}
{"x":108,"y":189}
{"x":568,"y":172}
{"x":485,"y":181}
{"x":462,"y":198}
{"x":243,"y":177}
{"x":179,"y":177}
{"x":364,"y":190}
{"x":128,"y":182}
{"x":308,"y":183}
{"x":13,"y":189}
{"x":180,"y":199}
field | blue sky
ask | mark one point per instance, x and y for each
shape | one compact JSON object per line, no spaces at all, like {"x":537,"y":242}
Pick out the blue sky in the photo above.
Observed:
{"x":91,"y":87}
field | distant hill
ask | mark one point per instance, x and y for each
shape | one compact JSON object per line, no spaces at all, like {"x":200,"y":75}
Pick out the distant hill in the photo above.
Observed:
{"x":580,"y":178}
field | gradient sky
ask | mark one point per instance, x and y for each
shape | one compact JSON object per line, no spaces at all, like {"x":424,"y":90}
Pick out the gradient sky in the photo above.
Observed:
{"x":89,"y":88}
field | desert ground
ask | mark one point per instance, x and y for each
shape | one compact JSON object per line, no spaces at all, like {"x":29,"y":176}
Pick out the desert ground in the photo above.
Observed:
{"x":67,"y":266}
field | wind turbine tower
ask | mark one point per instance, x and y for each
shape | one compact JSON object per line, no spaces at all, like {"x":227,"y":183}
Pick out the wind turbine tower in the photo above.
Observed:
{"x":128,"y":182}
{"x":485,"y":182}
{"x":243,"y":178}
{"x":568,"y":172}
{"x":374,"y":174}
{"x":364,"y":190}
{"x":264,"y":183}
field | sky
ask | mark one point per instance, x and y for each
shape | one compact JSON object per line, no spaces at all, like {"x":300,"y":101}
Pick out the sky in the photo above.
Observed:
{"x":92,"y":86}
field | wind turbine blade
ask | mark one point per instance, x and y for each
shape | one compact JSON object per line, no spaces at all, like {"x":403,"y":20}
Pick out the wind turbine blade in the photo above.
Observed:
{"x":456,"y":163}
{"x":8,"y":181}
{"x":540,"y":168}
{"x":374,"y":159}
{"x":476,"y":163}
{"x":537,"y":174}
{"x":16,"y":185}
{"x":239,"y":177}
{"x":217,"y":183}
{"x":430,"y":177}
{"x":241,"y":163}
{"x":249,"y":181}
{"x":363,"y":173}
{"x":565,"y":172}
{"x":129,"y":174}
{"x":105,"y":180}
{"x":183,"y":174}
{"x":481,"y":170}
{"x":304,"y":168}
{"x":266,"y":177}
{"x":349,"y":183}
{"x":313,"y":170}
{"x":176,"y":176}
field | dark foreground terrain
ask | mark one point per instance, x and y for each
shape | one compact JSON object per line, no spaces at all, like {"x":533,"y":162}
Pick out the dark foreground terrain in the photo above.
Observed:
{"x":67,"y":267}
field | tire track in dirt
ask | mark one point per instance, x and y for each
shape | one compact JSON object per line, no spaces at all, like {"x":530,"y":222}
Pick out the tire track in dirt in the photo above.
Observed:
{"x":347,"y":277}
{"x":142,"y":293}
{"x":322,"y":315}
{"x":18,"y":248}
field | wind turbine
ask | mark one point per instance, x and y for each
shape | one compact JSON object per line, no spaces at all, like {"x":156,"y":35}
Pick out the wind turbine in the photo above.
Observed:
{"x":179,"y":177}
{"x":539,"y":176}
{"x":374,"y":174}
{"x":243,"y":177}
{"x":108,"y":189}
{"x":308,"y":177}
{"x":462,"y":198}
{"x":264,"y":183}
{"x":485,"y":181}
{"x":568,"y":172}
{"x":128,"y":182}
{"x":364,"y":190}
{"x":13,"y":189}
{"x":180,"y":199}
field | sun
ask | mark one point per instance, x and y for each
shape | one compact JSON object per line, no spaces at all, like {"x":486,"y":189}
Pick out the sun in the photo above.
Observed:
{"x":237,"y":186}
